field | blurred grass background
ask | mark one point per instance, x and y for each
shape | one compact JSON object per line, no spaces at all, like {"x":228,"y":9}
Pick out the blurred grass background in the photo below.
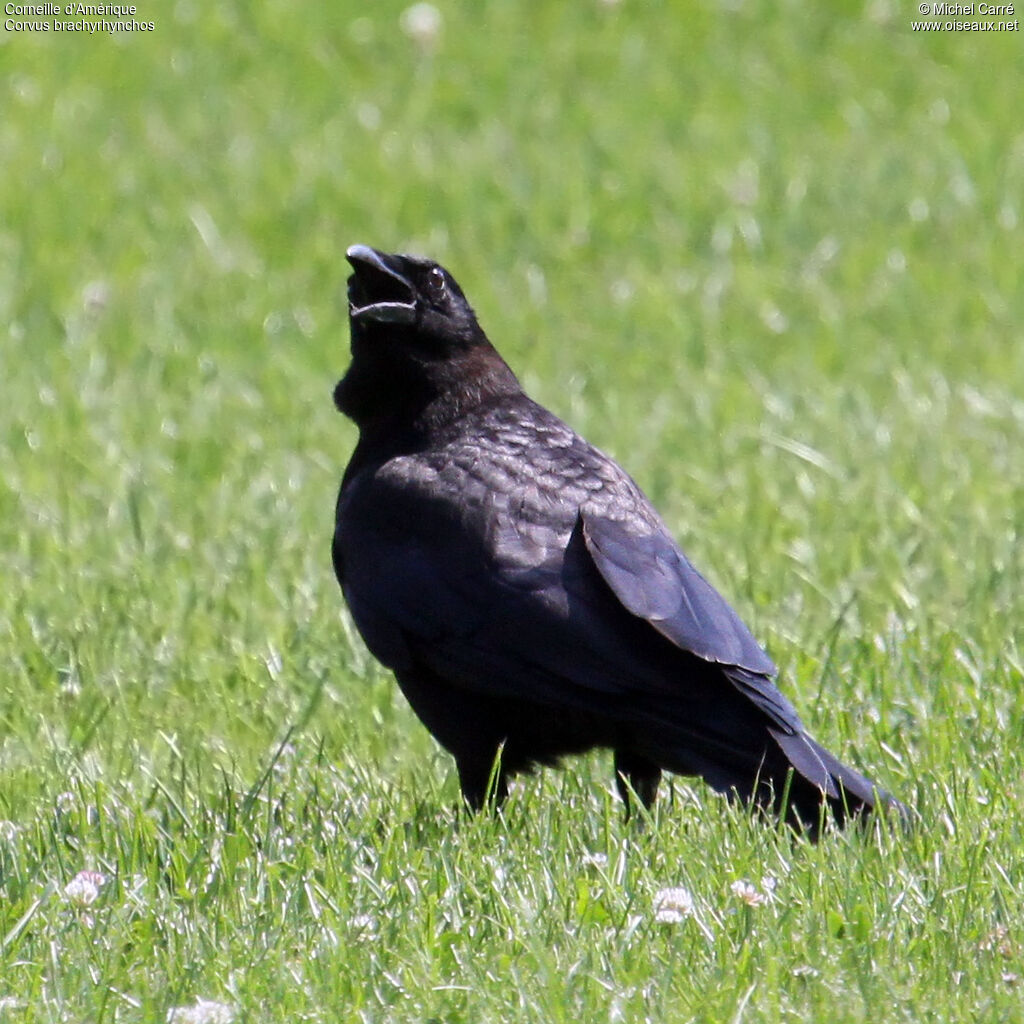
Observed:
{"x":765,"y":254}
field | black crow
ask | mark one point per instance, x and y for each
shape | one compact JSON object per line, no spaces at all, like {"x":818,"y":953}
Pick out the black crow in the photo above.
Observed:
{"x":525,"y":593}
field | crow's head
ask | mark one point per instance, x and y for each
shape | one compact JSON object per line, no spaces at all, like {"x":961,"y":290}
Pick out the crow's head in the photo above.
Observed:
{"x":409,"y":299}
{"x":418,"y":354}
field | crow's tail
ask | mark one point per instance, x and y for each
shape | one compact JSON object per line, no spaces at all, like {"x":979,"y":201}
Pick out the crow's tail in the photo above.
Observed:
{"x":807,"y":776}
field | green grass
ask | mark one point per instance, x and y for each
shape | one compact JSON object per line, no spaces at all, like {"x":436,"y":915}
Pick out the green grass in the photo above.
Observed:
{"x":766,"y":254}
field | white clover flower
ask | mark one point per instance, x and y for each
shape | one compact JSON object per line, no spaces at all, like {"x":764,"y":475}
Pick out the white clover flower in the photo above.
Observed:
{"x":205,"y":1011}
{"x":999,"y":941}
{"x":595,"y":860}
{"x":671,"y":906}
{"x":422,"y":24}
{"x":65,"y":802}
{"x":748,"y":893}
{"x":84,"y":888}
{"x":96,"y":296}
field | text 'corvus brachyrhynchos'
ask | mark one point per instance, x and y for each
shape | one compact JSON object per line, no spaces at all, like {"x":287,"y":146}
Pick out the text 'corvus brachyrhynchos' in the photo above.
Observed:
{"x":522,"y":588}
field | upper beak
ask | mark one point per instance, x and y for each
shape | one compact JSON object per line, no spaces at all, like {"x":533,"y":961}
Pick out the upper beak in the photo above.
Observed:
{"x":377,"y":290}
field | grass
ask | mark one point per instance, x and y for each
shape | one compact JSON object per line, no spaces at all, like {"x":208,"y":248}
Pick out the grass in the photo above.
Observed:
{"x":765,"y":254}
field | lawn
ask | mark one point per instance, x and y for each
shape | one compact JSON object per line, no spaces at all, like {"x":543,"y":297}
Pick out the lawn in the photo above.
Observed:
{"x":766,"y":254}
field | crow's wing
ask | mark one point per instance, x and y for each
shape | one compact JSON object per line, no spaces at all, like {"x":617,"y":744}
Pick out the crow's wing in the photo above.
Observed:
{"x":655,"y":581}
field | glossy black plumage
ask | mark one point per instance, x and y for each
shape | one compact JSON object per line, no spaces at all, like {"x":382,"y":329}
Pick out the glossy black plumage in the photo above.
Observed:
{"x":523,"y":589}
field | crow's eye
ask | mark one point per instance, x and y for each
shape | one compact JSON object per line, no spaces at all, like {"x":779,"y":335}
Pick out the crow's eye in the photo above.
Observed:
{"x":435,"y":283}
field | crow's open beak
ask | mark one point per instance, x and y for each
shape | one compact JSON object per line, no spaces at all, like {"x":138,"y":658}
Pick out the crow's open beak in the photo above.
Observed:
{"x":376,"y":290}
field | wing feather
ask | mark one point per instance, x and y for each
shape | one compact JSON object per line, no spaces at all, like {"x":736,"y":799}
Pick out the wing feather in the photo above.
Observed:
{"x":655,"y":581}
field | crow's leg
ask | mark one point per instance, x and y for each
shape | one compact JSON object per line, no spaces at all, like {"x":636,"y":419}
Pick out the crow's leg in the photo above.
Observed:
{"x":636,"y":773}
{"x":482,"y":778}
{"x":467,"y":727}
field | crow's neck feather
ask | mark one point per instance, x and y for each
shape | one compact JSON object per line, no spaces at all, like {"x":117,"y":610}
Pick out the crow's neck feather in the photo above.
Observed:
{"x":414,"y":401}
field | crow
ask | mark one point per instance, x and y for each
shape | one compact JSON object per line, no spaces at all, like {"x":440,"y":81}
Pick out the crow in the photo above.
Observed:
{"x":528,"y":598}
